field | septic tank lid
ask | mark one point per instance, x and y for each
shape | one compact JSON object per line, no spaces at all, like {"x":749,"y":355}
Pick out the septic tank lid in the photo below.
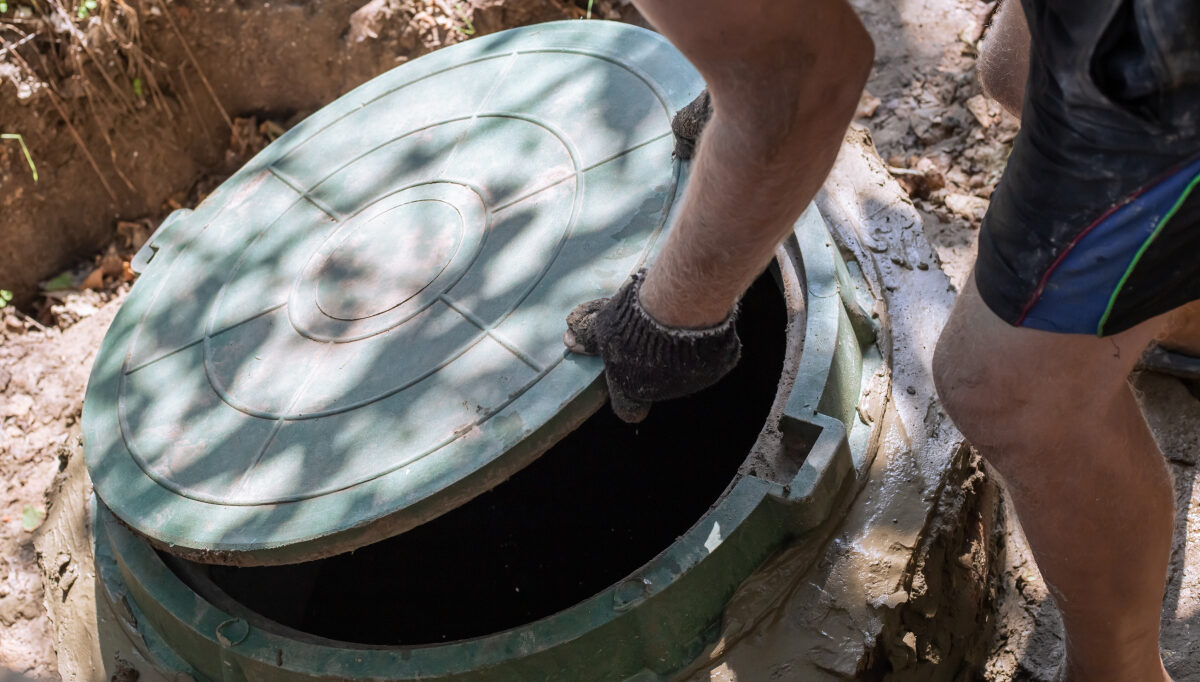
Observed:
{"x":361,"y":329}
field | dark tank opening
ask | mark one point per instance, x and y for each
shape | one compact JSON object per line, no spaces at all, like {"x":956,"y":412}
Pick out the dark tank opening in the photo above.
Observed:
{"x":601,"y":503}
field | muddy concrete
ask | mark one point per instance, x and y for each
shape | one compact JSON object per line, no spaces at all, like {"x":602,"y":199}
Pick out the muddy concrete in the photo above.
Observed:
{"x":869,"y":596}
{"x":42,"y":377}
{"x":92,"y":630}
{"x":951,"y":581}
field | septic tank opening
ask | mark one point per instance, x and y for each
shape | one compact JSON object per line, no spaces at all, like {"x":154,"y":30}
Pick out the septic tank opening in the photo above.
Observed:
{"x":605,"y":500}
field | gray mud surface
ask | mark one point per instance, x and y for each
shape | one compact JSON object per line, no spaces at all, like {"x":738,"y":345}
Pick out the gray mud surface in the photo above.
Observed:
{"x":42,"y":377}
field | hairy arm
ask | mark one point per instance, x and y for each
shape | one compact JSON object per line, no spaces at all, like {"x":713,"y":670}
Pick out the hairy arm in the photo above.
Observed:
{"x":785,"y":78}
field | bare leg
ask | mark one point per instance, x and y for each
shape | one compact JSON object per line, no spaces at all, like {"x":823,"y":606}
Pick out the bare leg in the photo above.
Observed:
{"x":1054,"y":414}
{"x":1183,"y":331}
{"x":785,"y":78}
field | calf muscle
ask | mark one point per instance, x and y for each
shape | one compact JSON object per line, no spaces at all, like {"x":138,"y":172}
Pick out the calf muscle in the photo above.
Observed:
{"x":1055,"y":415}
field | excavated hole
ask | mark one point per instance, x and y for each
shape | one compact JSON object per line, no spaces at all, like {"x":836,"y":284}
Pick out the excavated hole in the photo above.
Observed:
{"x":604,"y":501}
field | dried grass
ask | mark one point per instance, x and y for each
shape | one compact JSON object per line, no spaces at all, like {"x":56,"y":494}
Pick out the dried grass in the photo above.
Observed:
{"x":86,"y":57}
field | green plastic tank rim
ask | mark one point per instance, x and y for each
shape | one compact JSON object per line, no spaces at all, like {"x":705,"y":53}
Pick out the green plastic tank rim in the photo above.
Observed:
{"x":643,"y":628}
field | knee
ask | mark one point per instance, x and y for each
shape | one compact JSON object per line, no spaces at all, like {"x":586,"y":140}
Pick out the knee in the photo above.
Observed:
{"x":960,"y":388}
{"x":847,"y":57}
{"x":985,"y":401}
{"x":830,"y":73}
{"x":1183,"y":330}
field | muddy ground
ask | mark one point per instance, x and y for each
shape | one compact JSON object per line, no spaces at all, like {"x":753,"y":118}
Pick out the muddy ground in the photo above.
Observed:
{"x":113,"y":161}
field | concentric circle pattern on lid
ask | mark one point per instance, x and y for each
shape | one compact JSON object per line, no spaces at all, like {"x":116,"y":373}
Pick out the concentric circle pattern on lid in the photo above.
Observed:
{"x":362,"y":328}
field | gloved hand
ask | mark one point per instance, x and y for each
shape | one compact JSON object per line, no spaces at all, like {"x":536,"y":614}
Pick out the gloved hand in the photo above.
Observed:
{"x":688,"y":123}
{"x":645,"y":361}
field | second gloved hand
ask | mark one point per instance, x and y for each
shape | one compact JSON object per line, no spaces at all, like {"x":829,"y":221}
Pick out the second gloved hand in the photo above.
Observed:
{"x":644,"y":360}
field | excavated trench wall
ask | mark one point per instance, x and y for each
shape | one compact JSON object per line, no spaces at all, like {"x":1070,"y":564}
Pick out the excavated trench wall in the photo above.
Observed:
{"x":108,"y":150}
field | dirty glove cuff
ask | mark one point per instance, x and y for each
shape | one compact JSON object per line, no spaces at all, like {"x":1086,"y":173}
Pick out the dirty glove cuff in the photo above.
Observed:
{"x":646,"y":361}
{"x":651,"y":361}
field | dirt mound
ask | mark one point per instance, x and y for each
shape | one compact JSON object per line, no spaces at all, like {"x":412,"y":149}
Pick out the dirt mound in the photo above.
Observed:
{"x":123,"y":105}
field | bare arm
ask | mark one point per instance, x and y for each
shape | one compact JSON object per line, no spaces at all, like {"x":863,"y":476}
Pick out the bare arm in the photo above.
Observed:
{"x":1004,"y":58}
{"x":785,"y":77}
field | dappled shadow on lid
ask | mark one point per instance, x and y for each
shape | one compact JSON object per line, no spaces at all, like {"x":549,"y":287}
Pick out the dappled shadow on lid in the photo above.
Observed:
{"x":369,"y":313}
{"x":603,"y":502}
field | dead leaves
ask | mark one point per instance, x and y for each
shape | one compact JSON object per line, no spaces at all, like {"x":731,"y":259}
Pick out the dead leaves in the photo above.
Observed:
{"x":943,"y":187}
{"x":80,"y":292}
{"x":920,"y":180}
{"x":868,"y":104}
{"x":248,"y":138}
{"x":112,"y":267}
{"x":968,"y":207}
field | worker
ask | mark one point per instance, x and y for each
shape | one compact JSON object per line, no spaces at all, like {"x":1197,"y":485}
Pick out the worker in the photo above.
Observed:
{"x":1090,"y":251}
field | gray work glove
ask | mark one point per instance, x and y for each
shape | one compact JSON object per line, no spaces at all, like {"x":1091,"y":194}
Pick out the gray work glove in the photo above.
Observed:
{"x":645,"y":361}
{"x":688,"y":123}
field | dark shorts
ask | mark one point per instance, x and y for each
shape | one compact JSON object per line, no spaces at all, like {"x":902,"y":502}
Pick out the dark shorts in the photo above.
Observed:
{"x":1095,"y":225}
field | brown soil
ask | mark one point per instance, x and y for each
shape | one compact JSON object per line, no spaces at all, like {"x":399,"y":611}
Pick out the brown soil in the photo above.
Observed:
{"x":943,"y":630}
{"x":121,"y":130}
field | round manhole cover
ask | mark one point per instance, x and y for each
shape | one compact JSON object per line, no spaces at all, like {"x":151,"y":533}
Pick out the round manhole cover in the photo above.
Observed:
{"x":361,"y":329}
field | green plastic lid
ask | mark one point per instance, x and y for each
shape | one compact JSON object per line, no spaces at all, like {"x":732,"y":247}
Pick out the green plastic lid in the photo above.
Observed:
{"x":361,"y":330}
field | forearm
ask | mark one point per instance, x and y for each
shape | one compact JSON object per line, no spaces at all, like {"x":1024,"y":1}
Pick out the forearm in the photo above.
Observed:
{"x":785,"y":78}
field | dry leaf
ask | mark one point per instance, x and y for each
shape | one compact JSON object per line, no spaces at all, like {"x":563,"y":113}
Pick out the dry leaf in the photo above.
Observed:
{"x":921,"y":181}
{"x":110,"y":262}
{"x":94,"y":281}
{"x":133,"y":235}
{"x":868,"y":104}
{"x":980,"y":107}
{"x":968,"y":207}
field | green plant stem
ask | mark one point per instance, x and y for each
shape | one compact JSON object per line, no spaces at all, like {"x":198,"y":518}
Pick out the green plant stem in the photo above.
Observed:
{"x":28,"y":157}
